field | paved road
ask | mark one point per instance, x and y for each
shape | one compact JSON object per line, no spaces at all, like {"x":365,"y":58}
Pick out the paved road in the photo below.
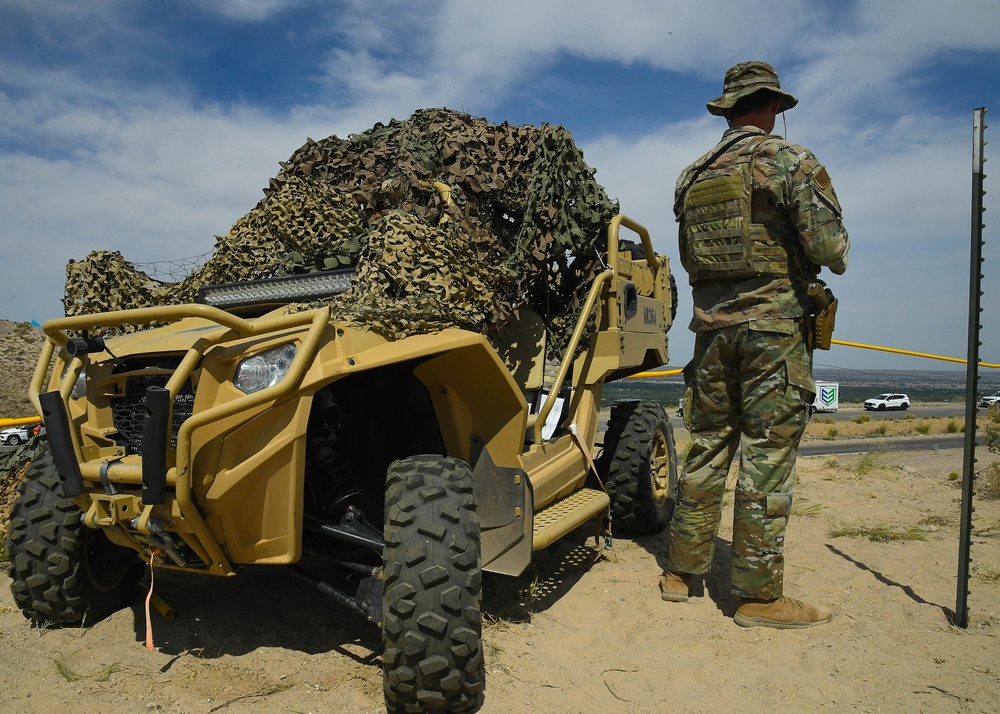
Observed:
{"x":905,"y":443}
{"x":854,"y":446}
{"x":901,"y":443}
{"x":954,"y":410}
{"x":938,"y":409}
{"x":846,"y":413}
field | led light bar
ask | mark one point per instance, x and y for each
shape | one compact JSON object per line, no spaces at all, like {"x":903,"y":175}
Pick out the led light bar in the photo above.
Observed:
{"x":283,"y":289}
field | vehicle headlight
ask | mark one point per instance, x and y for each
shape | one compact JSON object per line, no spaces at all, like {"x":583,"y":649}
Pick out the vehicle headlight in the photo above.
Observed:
{"x":264,"y":369}
{"x":80,"y":385}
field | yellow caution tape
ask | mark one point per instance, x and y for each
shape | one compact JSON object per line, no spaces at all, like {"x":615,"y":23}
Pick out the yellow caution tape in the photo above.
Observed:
{"x":4,"y":423}
{"x":671,"y":372}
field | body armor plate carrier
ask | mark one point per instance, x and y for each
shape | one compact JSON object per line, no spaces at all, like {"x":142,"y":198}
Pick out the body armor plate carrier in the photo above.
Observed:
{"x":722,"y":242}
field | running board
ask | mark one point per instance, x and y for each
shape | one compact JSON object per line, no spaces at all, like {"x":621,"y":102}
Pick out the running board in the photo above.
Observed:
{"x":559,"y":518}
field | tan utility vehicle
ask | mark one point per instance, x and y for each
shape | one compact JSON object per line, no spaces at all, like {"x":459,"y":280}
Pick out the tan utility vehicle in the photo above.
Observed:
{"x":388,"y":474}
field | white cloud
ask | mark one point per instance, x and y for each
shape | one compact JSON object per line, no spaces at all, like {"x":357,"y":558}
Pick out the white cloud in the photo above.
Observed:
{"x":62,"y":11}
{"x":147,"y":175}
{"x":246,"y":10}
{"x":675,"y":36}
{"x":74,"y":11}
{"x":476,"y":53}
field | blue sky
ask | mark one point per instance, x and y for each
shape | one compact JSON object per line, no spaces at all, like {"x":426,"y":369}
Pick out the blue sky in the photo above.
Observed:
{"x":150,"y":127}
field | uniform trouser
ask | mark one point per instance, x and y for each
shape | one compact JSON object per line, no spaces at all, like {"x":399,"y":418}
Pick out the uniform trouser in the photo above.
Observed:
{"x":749,"y":389}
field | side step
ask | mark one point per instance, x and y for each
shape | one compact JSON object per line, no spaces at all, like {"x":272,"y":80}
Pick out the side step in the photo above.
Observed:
{"x":560,"y":517}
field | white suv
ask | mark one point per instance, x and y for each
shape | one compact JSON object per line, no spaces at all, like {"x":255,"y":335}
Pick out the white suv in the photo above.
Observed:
{"x":990,"y":400}
{"x":888,"y":401}
{"x":15,"y":435}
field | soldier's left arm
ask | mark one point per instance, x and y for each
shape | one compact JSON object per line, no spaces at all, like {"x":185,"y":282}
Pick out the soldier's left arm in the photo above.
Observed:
{"x":798,"y":184}
{"x":814,"y":209}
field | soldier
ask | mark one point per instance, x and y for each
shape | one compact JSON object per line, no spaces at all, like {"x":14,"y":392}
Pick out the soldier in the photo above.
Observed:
{"x":758,"y":217}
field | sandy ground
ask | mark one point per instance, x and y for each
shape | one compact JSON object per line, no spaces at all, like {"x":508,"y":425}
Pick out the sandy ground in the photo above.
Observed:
{"x":572,"y":636}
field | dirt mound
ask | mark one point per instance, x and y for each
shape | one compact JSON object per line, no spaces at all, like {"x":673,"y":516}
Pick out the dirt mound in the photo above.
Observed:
{"x":20,"y":345}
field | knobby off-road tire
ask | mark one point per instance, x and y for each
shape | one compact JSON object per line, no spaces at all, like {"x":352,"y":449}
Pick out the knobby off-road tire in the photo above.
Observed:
{"x":433,"y":658}
{"x":62,"y":572}
{"x":639,"y":467}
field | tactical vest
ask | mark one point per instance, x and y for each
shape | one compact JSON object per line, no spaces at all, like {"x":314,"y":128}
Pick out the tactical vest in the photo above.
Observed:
{"x":721,"y":241}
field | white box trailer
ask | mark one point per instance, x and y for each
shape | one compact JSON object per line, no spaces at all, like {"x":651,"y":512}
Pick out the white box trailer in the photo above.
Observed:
{"x":827,"y":397}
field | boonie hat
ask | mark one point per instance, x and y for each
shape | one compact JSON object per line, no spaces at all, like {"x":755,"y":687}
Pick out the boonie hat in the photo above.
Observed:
{"x":743,"y":80}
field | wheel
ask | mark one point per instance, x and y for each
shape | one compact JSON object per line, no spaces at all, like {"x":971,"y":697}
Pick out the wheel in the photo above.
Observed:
{"x":639,"y":467}
{"x":62,"y":572}
{"x":636,"y":249}
{"x":13,"y":440}
{"x":673,"y":298}
{"x":881,"y":407}
{"x":433,"y":659}
{"x":904,"y":406}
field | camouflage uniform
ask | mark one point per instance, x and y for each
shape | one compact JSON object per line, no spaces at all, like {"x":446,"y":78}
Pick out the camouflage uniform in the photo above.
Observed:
{"x":749,"y":384}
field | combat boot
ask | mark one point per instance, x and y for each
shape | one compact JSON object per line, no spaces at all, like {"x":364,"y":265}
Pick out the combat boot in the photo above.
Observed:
{"x":675,"y":587}
{"x":785,"y":613}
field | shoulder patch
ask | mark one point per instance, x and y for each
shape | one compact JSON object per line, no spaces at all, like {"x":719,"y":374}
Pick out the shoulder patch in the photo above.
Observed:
{"x":822,"y":178}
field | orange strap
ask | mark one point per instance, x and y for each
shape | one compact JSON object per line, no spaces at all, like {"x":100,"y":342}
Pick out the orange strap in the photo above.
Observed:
{"x":149,"y":597}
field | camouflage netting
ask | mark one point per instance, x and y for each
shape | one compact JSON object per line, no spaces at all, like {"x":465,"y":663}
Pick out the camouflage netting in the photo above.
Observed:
{"x":448,"y":219}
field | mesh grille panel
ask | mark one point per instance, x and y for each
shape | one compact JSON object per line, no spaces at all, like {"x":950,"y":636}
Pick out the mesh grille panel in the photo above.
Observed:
{"x":129,"y":411}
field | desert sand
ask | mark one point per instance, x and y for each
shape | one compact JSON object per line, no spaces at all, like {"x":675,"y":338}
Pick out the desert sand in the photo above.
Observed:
{"x":575,"y":635}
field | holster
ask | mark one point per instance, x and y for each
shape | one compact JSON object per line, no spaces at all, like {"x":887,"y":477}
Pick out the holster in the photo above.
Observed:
{"x":823,"y":315}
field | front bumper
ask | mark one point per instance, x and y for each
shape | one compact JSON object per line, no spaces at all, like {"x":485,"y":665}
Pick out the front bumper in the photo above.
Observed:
{"x":147,"y":500}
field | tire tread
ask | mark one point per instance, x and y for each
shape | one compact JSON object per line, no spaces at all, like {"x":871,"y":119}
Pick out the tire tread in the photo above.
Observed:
{"x":47,"y":545}
{"x":625,"y":466}
{"x":432,"y":622}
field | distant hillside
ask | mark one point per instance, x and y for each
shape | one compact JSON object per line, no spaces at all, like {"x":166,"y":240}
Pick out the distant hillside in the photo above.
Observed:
{"x":20,"y":345}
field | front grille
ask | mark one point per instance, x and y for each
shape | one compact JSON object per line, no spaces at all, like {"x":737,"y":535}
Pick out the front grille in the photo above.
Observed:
{"x":128,"y":412}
